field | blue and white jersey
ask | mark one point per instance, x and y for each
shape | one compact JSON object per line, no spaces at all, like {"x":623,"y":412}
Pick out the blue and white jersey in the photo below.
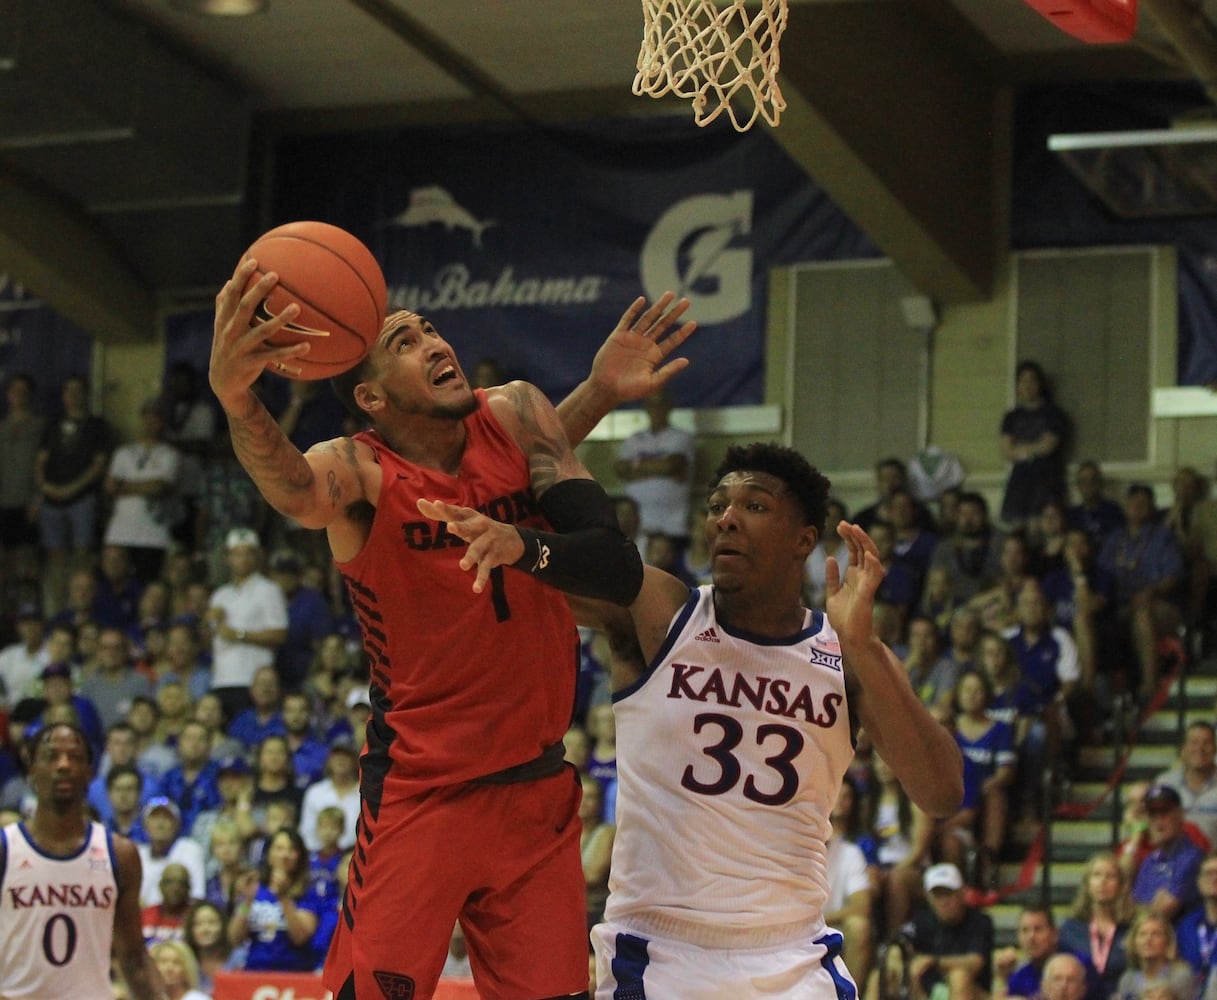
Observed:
{"x":56,"y":918}
{"x":730,"y":753}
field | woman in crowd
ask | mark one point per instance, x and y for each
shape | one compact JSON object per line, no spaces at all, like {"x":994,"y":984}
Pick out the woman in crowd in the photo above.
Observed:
{"x":898,"y":847}
{"x":1099,"y":920}
{"x":274,"y":779}
{"x":1033,"y":436}
{"x":206,"y":932}
{"x":225,"y":864}
{"x":279,"y":919}
{"x":1153,"y":961}
{"x":179,"y":970}
{"x":989,"y":761}
{"x":1047,"y":537}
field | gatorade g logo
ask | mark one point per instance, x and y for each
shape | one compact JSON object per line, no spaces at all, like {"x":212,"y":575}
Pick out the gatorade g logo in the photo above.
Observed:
{"x":697,"y":249}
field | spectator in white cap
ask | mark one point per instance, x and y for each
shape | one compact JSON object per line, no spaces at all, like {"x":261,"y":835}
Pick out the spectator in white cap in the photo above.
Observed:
{"x":952,"y":941}
{"x":163,"y":824}
{"x":248,"y":621}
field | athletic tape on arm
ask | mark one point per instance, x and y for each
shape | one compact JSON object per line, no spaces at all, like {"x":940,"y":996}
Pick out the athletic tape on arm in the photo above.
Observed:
{"x":587,"y":554}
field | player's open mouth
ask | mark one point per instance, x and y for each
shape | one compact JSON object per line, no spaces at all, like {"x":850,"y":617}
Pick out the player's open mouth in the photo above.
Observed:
{"x":445,"y":375}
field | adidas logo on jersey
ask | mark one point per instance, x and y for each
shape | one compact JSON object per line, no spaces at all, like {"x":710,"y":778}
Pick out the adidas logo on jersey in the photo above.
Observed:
{"x":709,"y":635}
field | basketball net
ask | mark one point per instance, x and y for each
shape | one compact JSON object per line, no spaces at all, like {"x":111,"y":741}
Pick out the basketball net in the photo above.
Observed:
{"x":709,"y":54}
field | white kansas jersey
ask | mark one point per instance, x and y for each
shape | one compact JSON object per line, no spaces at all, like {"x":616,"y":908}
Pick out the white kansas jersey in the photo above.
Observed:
{"x":56,"y":918}
{"x":730,"y":753}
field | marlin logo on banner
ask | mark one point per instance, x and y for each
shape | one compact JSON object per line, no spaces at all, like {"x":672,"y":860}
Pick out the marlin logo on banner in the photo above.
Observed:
{"x":433,"y":204}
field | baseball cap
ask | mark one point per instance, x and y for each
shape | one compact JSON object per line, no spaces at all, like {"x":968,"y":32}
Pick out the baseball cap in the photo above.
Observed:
{"x":56,"y":670}
{"x":1161,"y":798}
{"x":359,"y":696}
{"x":943,"y":876}
{"x":242,"y":536}
{"x":232,"y":764}
{"x":27,"y":611}
{"x":160,"y":802}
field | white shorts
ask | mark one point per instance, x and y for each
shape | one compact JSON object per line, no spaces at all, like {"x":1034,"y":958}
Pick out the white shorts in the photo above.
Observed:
{"x":630,"y":967}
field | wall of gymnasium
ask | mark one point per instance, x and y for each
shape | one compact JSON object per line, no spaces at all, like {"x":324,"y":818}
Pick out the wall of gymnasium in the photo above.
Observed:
{"x":849,"y":380}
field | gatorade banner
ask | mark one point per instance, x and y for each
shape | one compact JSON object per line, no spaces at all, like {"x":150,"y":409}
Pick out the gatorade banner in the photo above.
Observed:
{"x":526,"y":244}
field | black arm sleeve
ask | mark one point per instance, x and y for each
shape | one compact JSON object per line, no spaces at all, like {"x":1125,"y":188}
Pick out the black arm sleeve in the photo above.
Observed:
{"x":587,"y":554}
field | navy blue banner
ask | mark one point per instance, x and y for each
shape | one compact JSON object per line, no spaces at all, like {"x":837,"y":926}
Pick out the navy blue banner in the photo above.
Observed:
{"x":38,"y":342}
{"x":525,"y":245}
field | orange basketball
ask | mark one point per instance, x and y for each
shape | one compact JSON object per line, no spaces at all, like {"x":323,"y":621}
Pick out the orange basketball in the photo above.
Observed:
{"x":338,"y":285}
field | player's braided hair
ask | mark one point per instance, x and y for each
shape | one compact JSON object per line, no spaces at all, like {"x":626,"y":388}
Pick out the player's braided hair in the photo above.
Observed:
{"x":32,"y":742}
{"x":805,"y":481}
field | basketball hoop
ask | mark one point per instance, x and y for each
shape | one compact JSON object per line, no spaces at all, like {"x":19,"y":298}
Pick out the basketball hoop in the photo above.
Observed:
{"x":711,"y":52}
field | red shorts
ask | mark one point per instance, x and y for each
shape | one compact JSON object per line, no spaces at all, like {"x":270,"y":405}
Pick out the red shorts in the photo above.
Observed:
{"x":502,"y":858}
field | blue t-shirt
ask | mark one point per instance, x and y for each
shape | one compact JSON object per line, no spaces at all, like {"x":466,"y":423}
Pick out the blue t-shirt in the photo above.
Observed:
{"x":1197,"y":940}
{"x":270,"y":948}
{"x":251,"y":731}
{"x":1025,"y":980}
{"x":1174,"y":868}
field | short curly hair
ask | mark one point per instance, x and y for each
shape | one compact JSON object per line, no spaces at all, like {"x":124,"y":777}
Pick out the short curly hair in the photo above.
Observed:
{"x":809,"y":486}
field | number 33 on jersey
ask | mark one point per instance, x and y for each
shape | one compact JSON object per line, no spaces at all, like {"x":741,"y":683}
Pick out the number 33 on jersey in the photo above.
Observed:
{"x":751,"y":738}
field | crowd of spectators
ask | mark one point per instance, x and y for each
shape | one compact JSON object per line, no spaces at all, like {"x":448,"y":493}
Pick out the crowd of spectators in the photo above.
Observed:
{"x":208,"y":648}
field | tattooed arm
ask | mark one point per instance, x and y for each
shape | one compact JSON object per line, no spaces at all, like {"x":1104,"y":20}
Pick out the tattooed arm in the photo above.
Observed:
{"x":319,"y":489}
{"x":529,"y":417}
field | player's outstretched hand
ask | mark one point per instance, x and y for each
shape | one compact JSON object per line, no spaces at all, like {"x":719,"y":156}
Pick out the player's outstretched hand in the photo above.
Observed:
{"x":634,"y":361}
{"x":491,"y":543}
{"x":851,"y":595}
{"x":239,"y":351}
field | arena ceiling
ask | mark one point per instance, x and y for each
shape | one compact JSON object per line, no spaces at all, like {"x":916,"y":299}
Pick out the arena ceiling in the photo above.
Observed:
{"x":133,"y":132}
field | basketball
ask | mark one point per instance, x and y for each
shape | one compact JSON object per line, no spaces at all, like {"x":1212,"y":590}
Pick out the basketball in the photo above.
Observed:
{"x":338,"y":285}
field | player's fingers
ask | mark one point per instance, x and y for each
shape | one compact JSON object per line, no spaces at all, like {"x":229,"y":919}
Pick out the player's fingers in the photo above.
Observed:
{"x":672,"y":315}
{"x":649,"y":318}
{"x":832,"y":575}
{"x":280,"y":362}
{"x":674,"y":367}
{"x":673,"y":339}
{"x":437,"y":510}
{"x":631,"y":313}
{"x":483,"y":575}
{"x":228,"y":298}
{"x":256,"y":290}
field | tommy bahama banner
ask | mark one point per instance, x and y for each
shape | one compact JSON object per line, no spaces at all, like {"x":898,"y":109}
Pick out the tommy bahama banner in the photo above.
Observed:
{"x":525,"y":244}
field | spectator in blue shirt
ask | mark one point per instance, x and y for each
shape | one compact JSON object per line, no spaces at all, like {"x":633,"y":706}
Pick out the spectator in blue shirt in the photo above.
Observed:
{"x":308,"y":620}
{"x":280,"y":918}
{"x":309,"y":754}
{"x":1196,"y":932}
{"x":59,"y":689}
{"x":1147,"y":563}
{"x":1165,"y":883}
{"x":124,"y":799}
{"x":194,"y":782}
{"x":263,"y":718}
{"x":1094,"y":512}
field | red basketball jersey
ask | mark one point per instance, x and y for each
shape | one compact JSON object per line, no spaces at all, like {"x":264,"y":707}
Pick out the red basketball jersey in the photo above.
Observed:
{"x":463,"y":684}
